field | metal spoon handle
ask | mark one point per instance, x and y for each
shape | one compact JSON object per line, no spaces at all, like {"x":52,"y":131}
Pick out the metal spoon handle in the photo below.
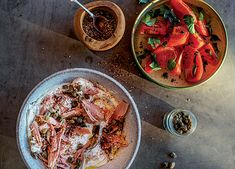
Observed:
{"x":88,"y":11}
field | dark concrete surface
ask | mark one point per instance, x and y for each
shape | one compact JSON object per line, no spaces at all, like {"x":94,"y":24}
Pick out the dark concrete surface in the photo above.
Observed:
{"x":36,"y":39}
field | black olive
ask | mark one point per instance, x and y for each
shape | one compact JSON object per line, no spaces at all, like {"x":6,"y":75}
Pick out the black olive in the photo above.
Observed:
{"x":86,"y":96}
{"x":70,"y":159}
{"x":65,"y":87}
{"x":74,"y":104}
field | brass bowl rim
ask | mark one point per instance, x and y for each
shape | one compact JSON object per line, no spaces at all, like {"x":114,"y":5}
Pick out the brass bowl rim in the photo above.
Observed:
{"x":149,"y":7}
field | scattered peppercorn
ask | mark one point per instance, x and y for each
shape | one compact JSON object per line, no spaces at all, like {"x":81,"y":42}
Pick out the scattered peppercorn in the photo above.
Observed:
{"x":172,"y":155}
{"x":165,"y":164}
{"x":171,"y":165}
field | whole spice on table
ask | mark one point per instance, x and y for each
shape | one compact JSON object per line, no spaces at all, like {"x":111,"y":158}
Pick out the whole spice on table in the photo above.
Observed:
{"x":109,"y":26}
{"x":182,"y":122}
{"x":172,"y":155}
{"x":165,"y":165}
{"x":171,"y":165}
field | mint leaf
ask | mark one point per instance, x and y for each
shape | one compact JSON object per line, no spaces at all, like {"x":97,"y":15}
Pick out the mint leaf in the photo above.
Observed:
{"x":201,"y":16}
{"x":171,"y":64}
{"x":154,"y":56}
{"x":191,"y":28}
{"x":153,"y":41}
{"x":155,"y":66}
{"x":143,"y":1}
{"x":189,"y":21}
{"x":163,"y":9}
{"x":169,"y":14}
{"x":148,"y":20}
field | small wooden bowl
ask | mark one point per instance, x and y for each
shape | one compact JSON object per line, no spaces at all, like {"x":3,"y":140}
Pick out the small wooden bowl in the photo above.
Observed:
{"x":95,"y":44}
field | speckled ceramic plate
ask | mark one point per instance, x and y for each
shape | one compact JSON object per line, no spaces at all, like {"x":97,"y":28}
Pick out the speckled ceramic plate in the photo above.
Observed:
{"x":178,"y":83}
{"x":132,"y":127}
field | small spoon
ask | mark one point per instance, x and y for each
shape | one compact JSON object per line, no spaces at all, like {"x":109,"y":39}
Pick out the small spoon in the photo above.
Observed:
{"x":99,"y":22}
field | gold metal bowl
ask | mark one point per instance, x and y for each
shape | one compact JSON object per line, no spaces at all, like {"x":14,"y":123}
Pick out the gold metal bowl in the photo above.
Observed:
{"x":218,"y":28}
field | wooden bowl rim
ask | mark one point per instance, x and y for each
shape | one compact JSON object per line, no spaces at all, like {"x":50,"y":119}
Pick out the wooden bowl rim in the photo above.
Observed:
{"x":95,"y":44}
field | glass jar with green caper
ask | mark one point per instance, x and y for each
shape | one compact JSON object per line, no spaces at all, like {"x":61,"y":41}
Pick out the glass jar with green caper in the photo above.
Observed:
{"x":180,"y":122}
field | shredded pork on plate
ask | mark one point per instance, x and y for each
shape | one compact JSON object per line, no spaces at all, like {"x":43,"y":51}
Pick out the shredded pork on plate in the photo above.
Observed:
{"x":66,"y":124}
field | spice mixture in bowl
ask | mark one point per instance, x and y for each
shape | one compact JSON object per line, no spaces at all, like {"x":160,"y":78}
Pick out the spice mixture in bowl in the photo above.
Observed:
{"x":109,"y":26}
{"x":111,"y":30}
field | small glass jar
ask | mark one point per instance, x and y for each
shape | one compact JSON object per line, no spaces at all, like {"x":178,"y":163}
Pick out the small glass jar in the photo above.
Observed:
{"x":169,"y":126}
